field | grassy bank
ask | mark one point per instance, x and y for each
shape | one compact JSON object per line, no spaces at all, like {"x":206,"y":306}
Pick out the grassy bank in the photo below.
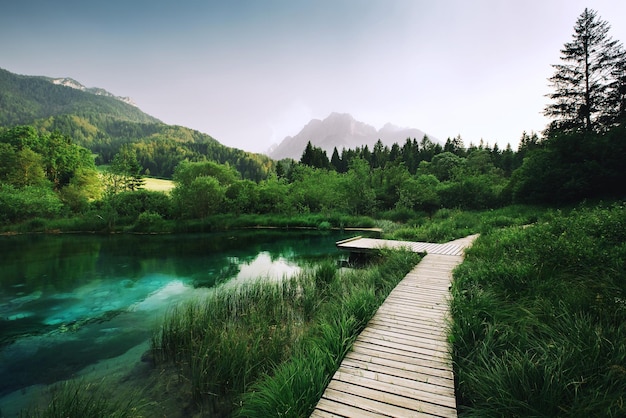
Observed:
{"x":154,"y":223}
{"x":269,"y":348}
{"x":449,"y":224}
{"x":538,"y":321}
{"x":539,"y":318}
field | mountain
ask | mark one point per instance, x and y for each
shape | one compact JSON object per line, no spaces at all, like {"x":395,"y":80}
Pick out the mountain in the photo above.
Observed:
{"x":24,"y":99}
{"x":103,"y":122}
{"x":70,"y":82}
{"x":341,"y":130}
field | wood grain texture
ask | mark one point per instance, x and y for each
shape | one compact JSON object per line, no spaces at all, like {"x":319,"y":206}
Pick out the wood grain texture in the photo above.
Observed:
{"x":400,"y":366}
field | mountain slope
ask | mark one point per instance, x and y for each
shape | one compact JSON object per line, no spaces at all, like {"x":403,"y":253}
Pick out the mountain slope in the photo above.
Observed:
{"x":102,"y":122}
{"x":341,"y":130}
{"x":24,"y":99}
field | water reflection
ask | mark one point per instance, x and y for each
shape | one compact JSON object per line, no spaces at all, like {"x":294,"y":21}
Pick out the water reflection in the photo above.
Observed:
{"x":69,"y":301}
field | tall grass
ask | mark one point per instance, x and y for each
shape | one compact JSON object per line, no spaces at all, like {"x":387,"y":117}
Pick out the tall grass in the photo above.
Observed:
{"x":295,"y":386}
{"x":449,"y":224}
{"x":538,"y":318}
{"x":270,"y":347}
{"x":80,"y":399}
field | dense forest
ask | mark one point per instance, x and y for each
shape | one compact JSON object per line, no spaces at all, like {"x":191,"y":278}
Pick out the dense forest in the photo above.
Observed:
{"x":47,"y":169}
{"x":46,"y":175}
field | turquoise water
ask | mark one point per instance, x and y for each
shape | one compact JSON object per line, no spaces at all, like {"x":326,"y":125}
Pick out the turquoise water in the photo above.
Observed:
{"x":70,"y":301}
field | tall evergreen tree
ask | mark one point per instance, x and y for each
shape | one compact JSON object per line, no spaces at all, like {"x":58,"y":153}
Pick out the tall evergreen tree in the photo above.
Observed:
{"x":335,"y":160}
{"x":314,"y":157}
{"x":584,"y":84}
{"x":126,"y":170}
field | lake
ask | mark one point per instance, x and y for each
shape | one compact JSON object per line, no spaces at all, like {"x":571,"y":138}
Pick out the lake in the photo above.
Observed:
{"x":70,"y":301}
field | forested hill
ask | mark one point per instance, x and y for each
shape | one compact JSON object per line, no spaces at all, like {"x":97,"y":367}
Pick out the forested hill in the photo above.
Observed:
{"x":103,"y":123}
{"x":24,"y":99}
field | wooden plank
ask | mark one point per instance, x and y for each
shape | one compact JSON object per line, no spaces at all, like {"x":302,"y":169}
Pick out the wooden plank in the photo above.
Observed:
{"x":400,"y":364}
{"x":370,"y":405}
{"x":436,"y":354}
{"x":417,"y":311}
{"x":391,"y":403}
{"x":371,"y":244}
{"x":428,"y":300}
{"x":412,"y":327}
{"x":417,"y":359}
{"x":424,"y":376}
{"x":435,"y":287}
{"x":330,"y":408}
{"x":385,"y":337}
{"x":430,"y":315}
{"x":407,"y":388}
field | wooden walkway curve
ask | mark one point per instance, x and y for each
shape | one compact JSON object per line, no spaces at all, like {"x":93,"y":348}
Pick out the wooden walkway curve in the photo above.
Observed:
{"x":399,"y":366}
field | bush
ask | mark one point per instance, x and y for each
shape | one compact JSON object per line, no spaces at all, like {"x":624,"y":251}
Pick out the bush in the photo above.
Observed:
{"x":18,"y":204}
{"x":132,"y":204}
{"x":149,"y":222}
{"x":324,"y":226}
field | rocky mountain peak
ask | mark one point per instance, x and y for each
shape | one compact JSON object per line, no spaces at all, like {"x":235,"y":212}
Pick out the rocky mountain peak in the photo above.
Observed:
{"x":70,"y":82}
{"x":340,"y":130}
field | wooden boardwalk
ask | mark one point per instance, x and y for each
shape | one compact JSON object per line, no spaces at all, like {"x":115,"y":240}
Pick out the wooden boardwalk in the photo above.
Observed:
{"x":360,"y":244}
{"x":399,"y":366}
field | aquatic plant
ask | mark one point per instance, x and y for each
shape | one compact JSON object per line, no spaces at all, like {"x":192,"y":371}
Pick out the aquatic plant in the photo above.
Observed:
{"x":76,"y":398}
{"x":257,"y":338}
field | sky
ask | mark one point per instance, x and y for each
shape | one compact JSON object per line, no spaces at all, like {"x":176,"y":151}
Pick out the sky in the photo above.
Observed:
{"x":251,"y":72}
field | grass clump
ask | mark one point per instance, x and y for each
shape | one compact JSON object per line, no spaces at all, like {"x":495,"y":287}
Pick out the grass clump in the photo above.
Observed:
{"x":449,"y":224}
{"x":79,"y":399}
{"x":269,"y":348}
{"x":538,"y":318}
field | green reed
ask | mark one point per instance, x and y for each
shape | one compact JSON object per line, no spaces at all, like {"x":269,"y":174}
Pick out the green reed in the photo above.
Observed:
{"x":250,"y":344}
{"x":294,"y":387}
{"x":80,"y":399}
{"x":538,"y":318}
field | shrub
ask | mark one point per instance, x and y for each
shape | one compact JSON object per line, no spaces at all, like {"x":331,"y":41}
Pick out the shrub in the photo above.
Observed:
{"x":149,"y":222}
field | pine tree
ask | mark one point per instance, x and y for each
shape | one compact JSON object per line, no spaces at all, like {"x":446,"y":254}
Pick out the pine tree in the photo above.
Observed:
{"x":335,"y":160}
{"x":126,"y":170}
{"x":585,"y":84}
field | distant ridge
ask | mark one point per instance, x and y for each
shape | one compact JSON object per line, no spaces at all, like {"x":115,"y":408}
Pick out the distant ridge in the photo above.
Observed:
{"x":341,"y":130}
{"x":70,"y":82}
{"x":26,"y":99}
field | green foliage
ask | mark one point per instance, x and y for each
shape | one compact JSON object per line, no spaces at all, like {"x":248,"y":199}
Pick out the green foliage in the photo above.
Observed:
{"x":472,"y":192}
{"x":104,"y":124}
{"x":589,"y":84}
{"x":316,"y":190}
{"x":133,"y":204}
{"x":294,"y":387}
{"x":203,"y":197}
{"x":538,"y":318}
{"x":275,"y":343}
{"x":78,"y":399}
{"x":420,"y":194}
{"x":571,"y":167}
{"x":314,"y":157}
{"x":186,"y":172}
{"x":18,"y":204}
{"x":445,"y":165}
{"x":125,"y":171}
{"x":29,"y":158}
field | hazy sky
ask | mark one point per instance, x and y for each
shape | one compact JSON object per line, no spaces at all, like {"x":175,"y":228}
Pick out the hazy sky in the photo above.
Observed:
{"x":250,"y":72}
